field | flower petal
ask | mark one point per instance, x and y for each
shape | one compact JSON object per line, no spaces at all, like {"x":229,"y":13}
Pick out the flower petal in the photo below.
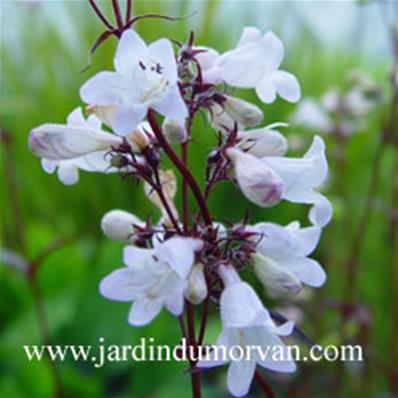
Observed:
{"x":175,"y":302}
{"x":125,"y":120}
{"x":162,"y":50}
{"x":123,"y":284}
{"x":49,"y":165}
{"x":172,"y":104}
{"x":301,"y":176}
{"x":130,"y":48}
{"x":249,"y":35}
{"x":240,"y":376}
{"x":143,"y":311}
{"x":241,"y":307}
{"x":94,"y":162}
{"x":266,"y":90}
{"x":68,"y":172}
{"x":307,"y":270}
{"x":262,"y":142}
{"x":214,"y":357}
{"x":277,"y":358}
{"x":321,"y":213}
{"x":274,"y":51}
{"x":136,"y":257}
{"x":76,"y":118}
{"x":178,"y":252}
{"x":286,"y":85}
{"x":104,"y":88}
{"x":280,"y":242}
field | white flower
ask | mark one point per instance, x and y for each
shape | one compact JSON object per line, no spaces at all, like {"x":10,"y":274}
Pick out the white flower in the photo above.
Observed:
{"x":254,"y":63}
{"x":301,"y":177}
{"x":153,"y":278}
{"x":119,"y":225}
{"x":263,"y":141}
{"x":145,"y":76}
{"x":267,"y":180}
{"x":310,"y":114}
{"x":246,"y":323}
{"x":281,"y":261}
{"x":258,"y":182}
{"x":80,"y":144}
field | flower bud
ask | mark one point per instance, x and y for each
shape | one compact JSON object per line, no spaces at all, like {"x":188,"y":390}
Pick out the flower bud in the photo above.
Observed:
{"x":277,"y":281}
{"x":174,"y":131}
{"x":258,"y":182}
{"x":197,"y":288}
{"x":103,"y":112}
{"x":119,"y":225}
{"x":220,"y":119}
{"x":262,"y":142}
{"x":243,"y":112}
{"x":59,"y":142}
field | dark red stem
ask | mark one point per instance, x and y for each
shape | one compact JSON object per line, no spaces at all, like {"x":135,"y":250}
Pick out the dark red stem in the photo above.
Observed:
{"x":118,"y":15}
{"x":186,"y":174}
{"x":264,"y":385}
{"x":203,"y":321}
{"x":128,"y":11}
{"x":100,"y":15}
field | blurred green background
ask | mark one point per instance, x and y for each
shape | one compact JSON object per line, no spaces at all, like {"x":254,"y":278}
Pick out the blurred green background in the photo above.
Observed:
{"x":44,"y":47}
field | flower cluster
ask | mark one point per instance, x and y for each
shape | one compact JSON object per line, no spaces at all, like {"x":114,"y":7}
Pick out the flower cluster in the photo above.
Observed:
{"x":148,"y":103}
{"x":340,"y":113}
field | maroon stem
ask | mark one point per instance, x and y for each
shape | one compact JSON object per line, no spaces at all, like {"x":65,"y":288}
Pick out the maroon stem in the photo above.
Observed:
{"x":118,"y":15}
{"x":128,"y":11}
{"x":203,"y":321}
{"x":264,"y":385}
{"x":186,"y":174}
{"x":165,"y":202}
{"x":100,"y":15}
{"x":184,"y":158}
{"x":195,"y":377}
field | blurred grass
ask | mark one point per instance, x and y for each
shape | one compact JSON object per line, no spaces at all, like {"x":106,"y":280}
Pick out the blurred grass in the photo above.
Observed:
{"x":43,"y":50}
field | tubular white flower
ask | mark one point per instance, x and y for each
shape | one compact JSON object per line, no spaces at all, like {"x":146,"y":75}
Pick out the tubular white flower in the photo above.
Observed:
{"x":263,"y":141}
{"x":119,"y":225}
{"x":145,"y":76}
{"x":80,"y":144}
{"x":283,"y":257}
{"x":258,"y":182}
{"x":254,"y":63}
{"x":246,"y":323}
{"x":153,"y":278}
{"x":301,"y":177}
{"x":60,"y":142}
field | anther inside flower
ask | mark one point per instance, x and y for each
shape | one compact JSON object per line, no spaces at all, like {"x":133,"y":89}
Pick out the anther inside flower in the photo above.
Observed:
{"x":182,"y":253}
